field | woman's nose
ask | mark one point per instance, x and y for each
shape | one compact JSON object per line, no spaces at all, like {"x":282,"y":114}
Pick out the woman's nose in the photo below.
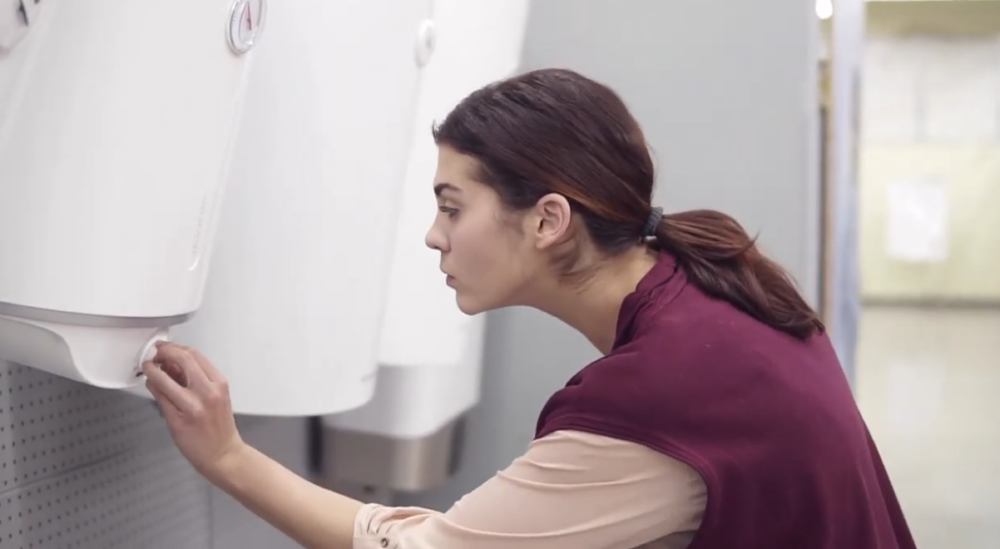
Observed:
{"x":434,"y":240}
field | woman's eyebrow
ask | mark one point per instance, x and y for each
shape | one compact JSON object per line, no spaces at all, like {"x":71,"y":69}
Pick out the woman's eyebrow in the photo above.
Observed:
{"x":442,"y":187}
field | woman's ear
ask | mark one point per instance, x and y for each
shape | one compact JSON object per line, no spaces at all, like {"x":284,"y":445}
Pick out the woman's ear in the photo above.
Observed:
{"x":550,"y":220}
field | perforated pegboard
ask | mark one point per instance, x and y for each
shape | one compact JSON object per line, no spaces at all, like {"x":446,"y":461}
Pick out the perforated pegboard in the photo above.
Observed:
{"x":49,"y":425}
{"x":132,"y":501}
{"x":87,"y":468}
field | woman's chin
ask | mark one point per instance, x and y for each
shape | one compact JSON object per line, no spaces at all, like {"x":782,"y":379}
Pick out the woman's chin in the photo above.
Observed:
{"x":468,"y":305}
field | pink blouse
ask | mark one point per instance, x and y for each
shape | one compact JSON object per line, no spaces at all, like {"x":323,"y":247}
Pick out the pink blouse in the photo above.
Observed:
{"x":570,"y":490}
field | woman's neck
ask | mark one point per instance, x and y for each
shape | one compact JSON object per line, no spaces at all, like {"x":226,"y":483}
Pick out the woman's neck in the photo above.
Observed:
{"x":592,"y":307}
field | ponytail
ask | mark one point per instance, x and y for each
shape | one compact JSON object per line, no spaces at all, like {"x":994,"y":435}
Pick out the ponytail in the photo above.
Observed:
{"x":723,"y":261}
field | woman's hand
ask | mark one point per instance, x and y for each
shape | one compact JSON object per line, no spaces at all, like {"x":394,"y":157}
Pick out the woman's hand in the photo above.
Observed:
{"x":194,"y":399}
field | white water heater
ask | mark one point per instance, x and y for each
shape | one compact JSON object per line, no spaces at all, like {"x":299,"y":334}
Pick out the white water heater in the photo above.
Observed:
{"x":430,"y":352}
{"x":296,"y":295}
{"x":116,"y":121}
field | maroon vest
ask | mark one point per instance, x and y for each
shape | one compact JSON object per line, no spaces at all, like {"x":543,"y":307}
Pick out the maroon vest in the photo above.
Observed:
{"x":768,"y":421}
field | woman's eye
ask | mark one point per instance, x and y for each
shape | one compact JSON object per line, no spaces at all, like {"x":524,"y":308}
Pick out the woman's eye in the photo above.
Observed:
{"x":450,"y":212}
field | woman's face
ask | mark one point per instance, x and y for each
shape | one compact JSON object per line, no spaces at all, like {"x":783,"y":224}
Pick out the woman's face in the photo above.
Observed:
{"x":488,"y":258}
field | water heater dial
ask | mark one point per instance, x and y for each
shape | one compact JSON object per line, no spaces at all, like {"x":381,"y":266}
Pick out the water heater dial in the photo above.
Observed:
{"x":148,"y":351}
{"x":246,"y":22}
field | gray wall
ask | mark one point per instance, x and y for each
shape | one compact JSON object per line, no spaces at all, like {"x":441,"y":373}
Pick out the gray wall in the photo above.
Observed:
{"x":727,"y":94}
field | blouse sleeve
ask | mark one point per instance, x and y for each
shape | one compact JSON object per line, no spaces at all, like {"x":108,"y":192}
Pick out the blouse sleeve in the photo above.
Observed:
{"x":570,"y":490}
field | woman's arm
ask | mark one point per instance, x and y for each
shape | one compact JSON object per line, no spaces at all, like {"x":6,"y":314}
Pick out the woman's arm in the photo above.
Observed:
{"x":570,"y":490}
{"x":316,"y":518}
{"x":194,"y":399}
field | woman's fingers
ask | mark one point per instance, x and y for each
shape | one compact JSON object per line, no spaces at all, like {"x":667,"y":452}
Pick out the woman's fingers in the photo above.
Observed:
{"x":206,"y":365}
{"x":163,"y":386}
{"x":172,"y":356}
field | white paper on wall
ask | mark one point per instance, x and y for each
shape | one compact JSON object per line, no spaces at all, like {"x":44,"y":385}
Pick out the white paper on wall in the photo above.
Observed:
{"x":917,"y":221}
{"x":890,"y":90}
{"x":961,"y":88}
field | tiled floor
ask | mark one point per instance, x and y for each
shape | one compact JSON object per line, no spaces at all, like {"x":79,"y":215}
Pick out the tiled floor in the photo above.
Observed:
{"x":928,"y":383}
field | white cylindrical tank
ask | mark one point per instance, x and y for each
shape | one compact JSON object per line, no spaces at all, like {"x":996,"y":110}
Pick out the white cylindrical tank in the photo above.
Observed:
{"x":430,"y":352}
{"x":295,"y":298}
{"x":116,"y":121}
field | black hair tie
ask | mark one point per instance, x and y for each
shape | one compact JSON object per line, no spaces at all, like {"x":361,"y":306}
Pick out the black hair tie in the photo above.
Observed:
{"x":655,"y":217}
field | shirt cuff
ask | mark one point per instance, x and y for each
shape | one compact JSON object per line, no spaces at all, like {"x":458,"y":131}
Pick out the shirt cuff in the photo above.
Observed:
{"x":378,"y":526}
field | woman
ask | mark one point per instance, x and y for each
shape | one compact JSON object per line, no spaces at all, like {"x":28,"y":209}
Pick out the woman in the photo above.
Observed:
{"x":718,"y":416}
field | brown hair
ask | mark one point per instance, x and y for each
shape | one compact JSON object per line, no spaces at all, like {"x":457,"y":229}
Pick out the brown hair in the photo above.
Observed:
{"x":555,"y":131}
